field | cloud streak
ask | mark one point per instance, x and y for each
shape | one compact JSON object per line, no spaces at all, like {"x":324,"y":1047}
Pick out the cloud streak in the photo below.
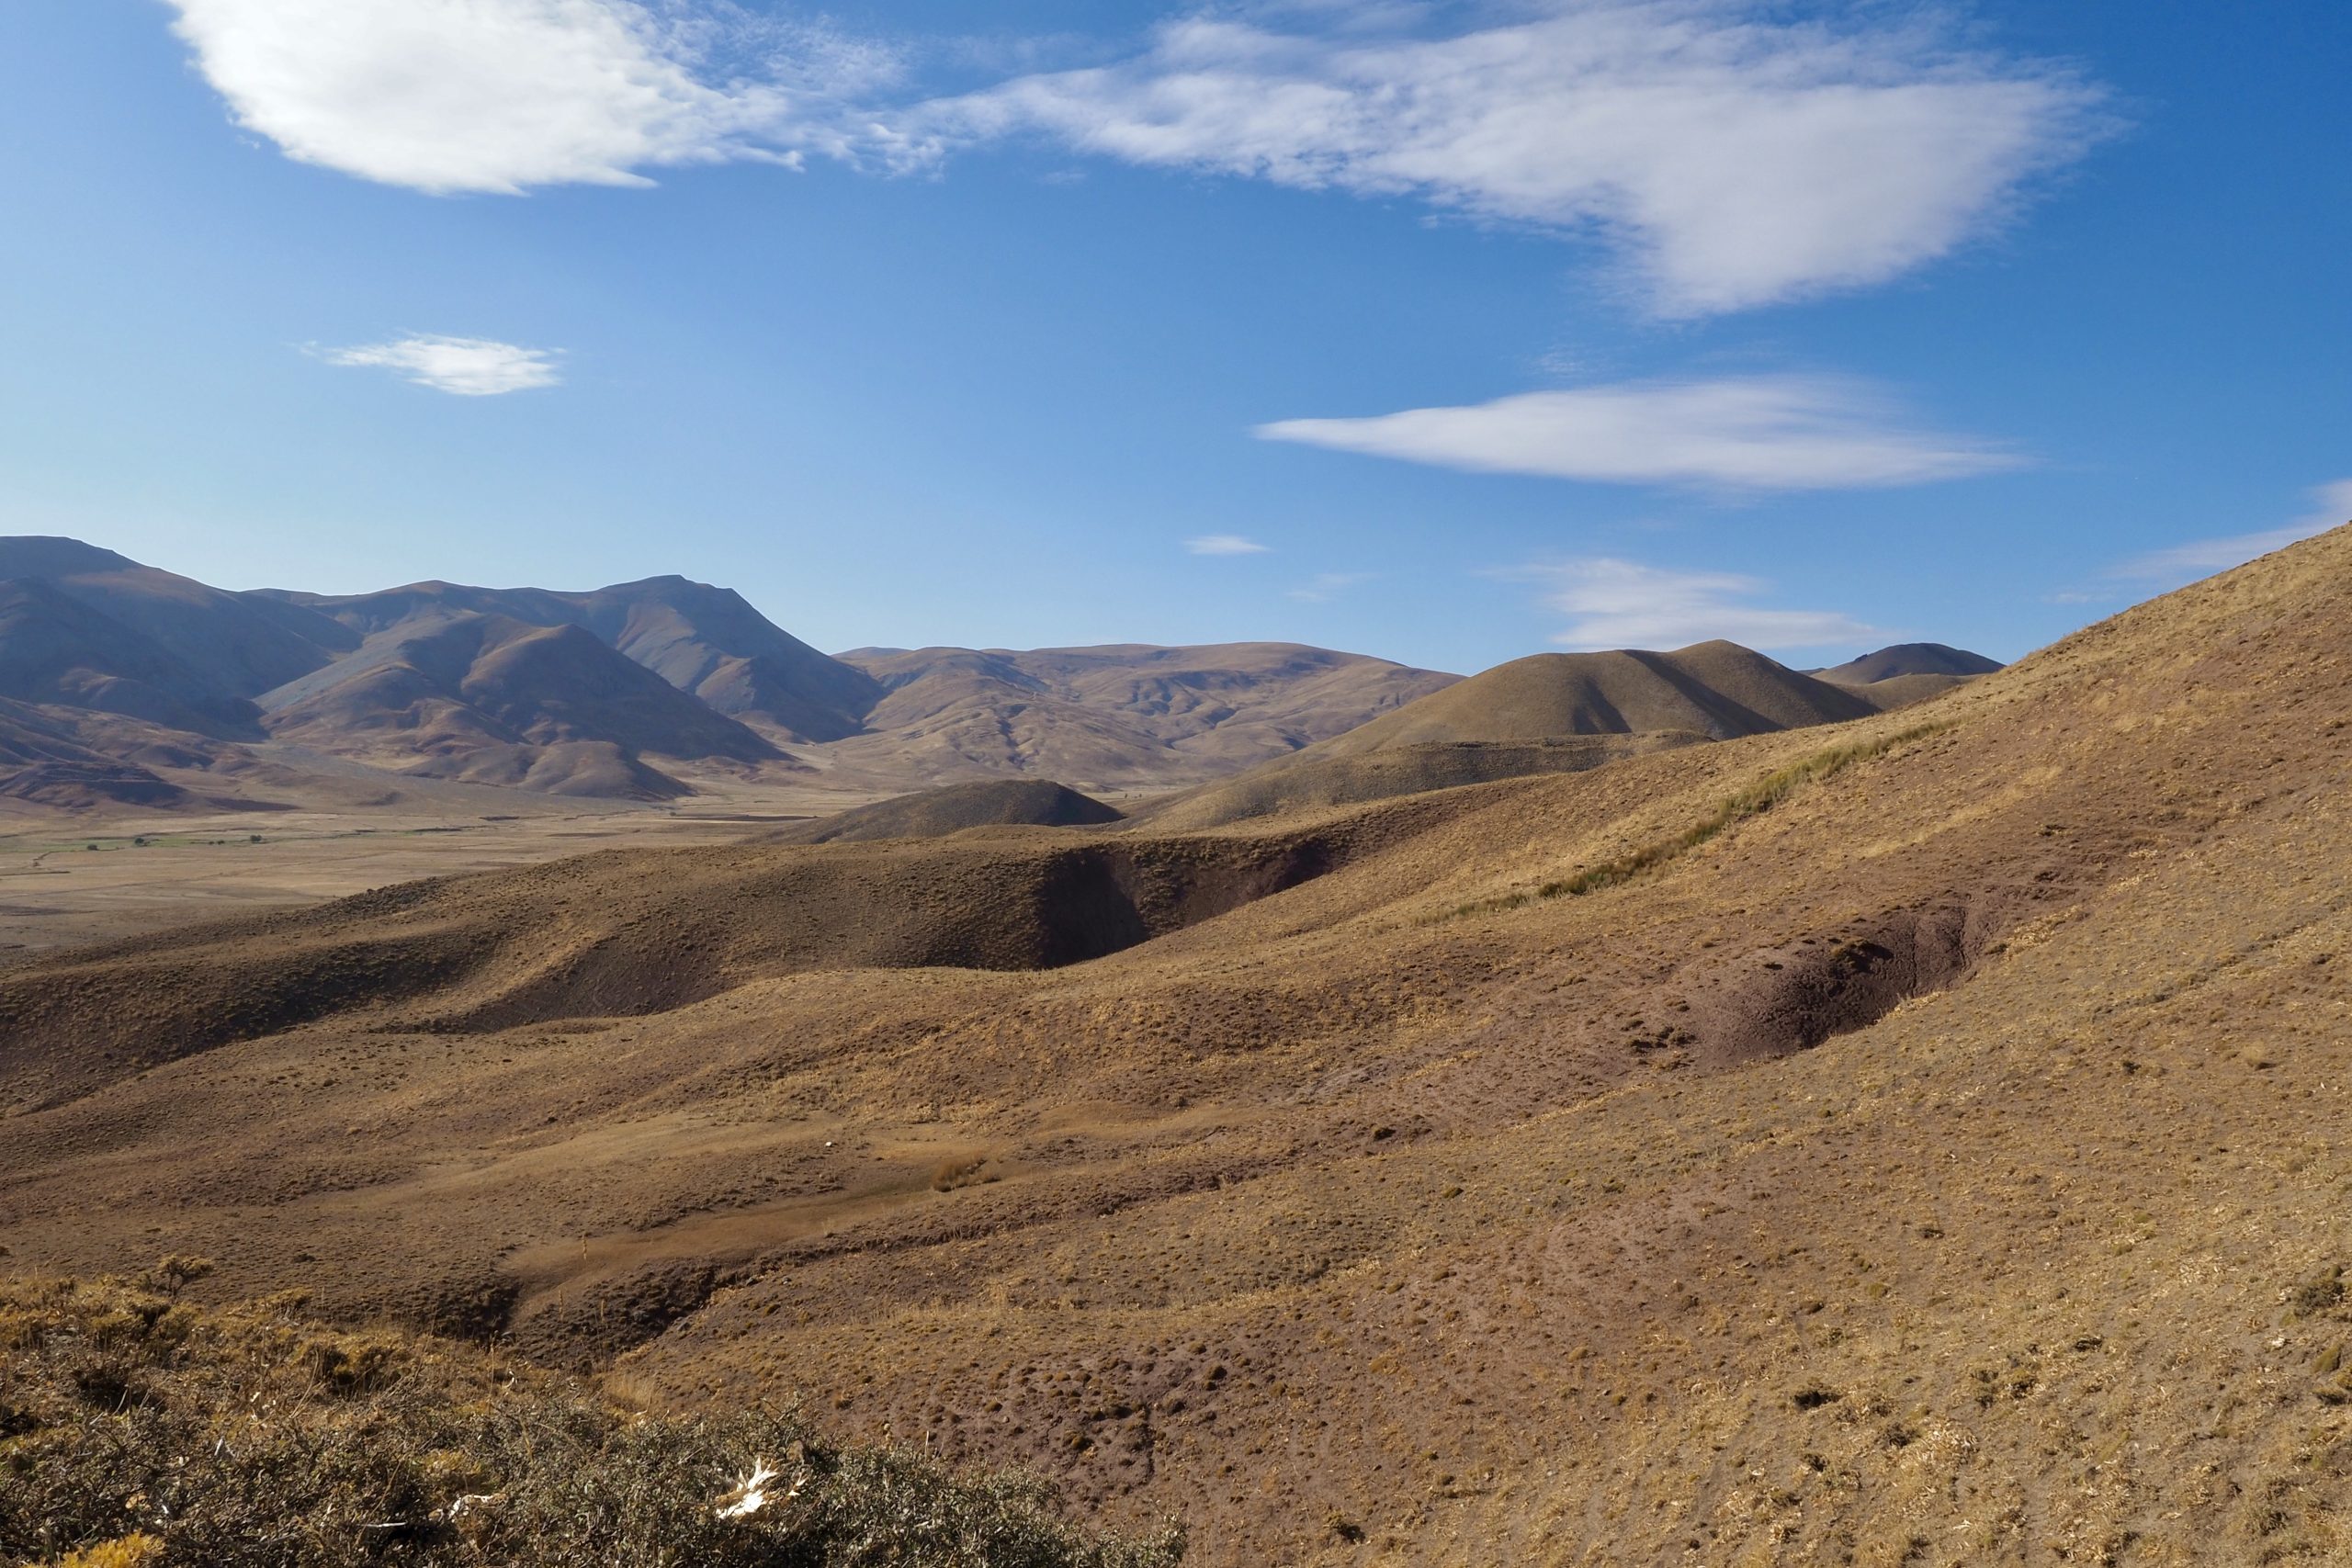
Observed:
{"x":464,"y":367}
{"x":1754,"y":432}
{"x":2332,"y":506}
{"x":1729,"y":156}
{"x":1613,"y":603}
{"x":1225,"y":545}
{"x":1326,"y":586}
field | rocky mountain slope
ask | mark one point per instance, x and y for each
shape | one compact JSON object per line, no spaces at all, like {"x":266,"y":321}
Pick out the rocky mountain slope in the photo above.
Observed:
{"x":533,"y":689}
{"x":704,"y":642}
{"x":1912,"y":1139}
{"x":490,"y":699}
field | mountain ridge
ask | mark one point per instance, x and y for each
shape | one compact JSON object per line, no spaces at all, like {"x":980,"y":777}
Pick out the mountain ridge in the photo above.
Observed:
{"x":85,"y":628}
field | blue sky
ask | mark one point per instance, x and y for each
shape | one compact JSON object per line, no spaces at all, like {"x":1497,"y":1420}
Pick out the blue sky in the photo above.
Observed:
{"x":1448,"y":333}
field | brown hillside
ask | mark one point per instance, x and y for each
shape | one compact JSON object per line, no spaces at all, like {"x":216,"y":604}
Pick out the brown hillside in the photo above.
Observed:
{"x":227,"y":644}
{"x":1715,"y":689}
{"x":1917,"y":1140}
{"x":1315,"y":780}
{"x":934,"y":814}
{"x":44,"y":760}
{"x":702,"y":640}
{"x":1901,"y":691}
{"x":492,"y":700}
{"x":56,"y":649}
{"x":1115,"y":717}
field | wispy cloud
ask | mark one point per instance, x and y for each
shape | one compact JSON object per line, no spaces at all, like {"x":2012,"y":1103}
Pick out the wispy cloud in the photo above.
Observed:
{"x":1730,"y":154}
{"x":1226,"y":545}
{"x":1755,"y":433}
{"x":1622,"y":604}
{"x":1726,"y":154}
{"x":1326,"y":586}
{"x":467,"y":366}
{"x":2332,"y":507}
{"x":449,"y":96}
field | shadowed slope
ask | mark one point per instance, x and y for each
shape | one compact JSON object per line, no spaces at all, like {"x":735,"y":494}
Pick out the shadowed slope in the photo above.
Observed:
{"x":934,"y":814}
{"x":56,"y":648}
{"x":702,"y":640}
{"x":44,"y":758}
{"x":487,"y":698}
{"x":626,"y":932}
{"x":1908,"y":659}
{"x":230,"y":645}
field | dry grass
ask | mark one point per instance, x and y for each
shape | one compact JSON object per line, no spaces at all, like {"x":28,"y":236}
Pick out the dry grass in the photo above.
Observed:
{"x":1753,"y":801}
{"x":956,"y":1173}
{"x":139,"y":1432}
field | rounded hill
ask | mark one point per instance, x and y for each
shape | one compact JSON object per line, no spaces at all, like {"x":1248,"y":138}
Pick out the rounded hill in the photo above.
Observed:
{"x":935,"y":812}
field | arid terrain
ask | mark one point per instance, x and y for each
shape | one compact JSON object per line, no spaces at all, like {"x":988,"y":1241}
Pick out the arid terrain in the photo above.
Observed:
{"x":1917,"y":1138}
{"x":126,"y":688}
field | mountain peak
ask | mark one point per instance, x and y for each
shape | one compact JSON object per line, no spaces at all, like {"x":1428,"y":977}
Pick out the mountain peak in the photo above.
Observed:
{"x":54,"y":555}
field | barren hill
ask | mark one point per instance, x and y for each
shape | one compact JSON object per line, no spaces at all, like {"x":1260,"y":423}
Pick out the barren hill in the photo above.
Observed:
{"x":227,"y":644}
{"x":492,"y":699}
{"x":1908,"y":659}
{"x":953,"y":808}
{"x":56,"y":649}
{"x":702,"y":640}
{"x":1117,"y":716}
{"x":1715,"y":689}
{"x":44,"y":758}
{"x":1318,"y":778}
{"x":1917,"y":1139}
{"x":362,"y":675}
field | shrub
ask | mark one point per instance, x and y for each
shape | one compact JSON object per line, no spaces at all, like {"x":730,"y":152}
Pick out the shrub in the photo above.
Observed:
{"x":144,"y":1434}
{"x":954,"y":1173}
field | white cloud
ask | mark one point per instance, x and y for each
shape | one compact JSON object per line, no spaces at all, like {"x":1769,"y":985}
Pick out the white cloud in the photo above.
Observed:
{"x":1225,"y":545}
{"x":1326,"y":586}
{"x":2332,"y":507}
{"x":1621,"y":603}
{"x":447,"y":96}
{"x":1731,"y":156}
{"x":1754,"y":432}
{"x":467,"y":366}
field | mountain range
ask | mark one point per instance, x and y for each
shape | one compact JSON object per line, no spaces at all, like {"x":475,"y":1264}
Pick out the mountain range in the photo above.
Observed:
{"x":130,"y":686}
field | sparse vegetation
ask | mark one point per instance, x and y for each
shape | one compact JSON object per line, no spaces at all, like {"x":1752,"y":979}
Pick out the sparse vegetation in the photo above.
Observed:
{"x":1753,"y":801}
{"x":953,"y":1174}
{"x":2317,"y":1293}
{"x":139,"y":1432}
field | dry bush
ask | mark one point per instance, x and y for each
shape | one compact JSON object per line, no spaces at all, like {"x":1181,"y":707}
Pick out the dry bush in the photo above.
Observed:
{"x":954,"y":1173}
{"x":136,"y":1432}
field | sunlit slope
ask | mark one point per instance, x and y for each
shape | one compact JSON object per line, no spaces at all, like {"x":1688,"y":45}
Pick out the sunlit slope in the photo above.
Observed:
{"x":1917,"y":1138}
